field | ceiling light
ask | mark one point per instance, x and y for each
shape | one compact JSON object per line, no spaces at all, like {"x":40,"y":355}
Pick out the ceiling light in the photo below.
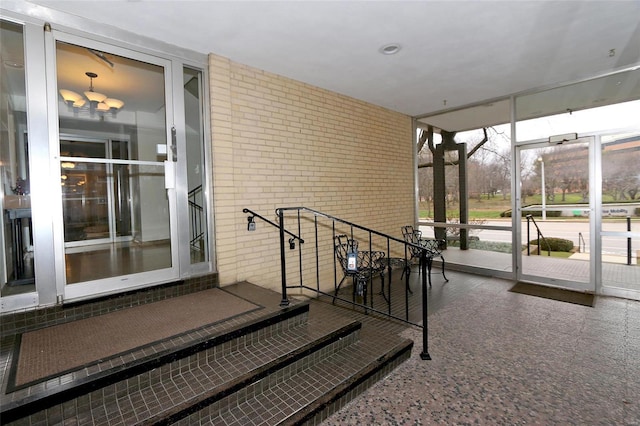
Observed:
{"x":114,"y":103}
{"x":69,"y":96}
{"x":97,"y":101}
{"x":390,"y":49}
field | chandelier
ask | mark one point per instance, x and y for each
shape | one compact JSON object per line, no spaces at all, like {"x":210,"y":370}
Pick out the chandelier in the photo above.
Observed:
{"x":97,"y":101}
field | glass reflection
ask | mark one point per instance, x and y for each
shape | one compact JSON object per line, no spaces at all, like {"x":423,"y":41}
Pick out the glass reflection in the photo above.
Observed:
{"x":17,"y":239}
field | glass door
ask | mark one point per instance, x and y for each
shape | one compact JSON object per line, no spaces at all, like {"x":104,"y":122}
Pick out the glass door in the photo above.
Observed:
{"x":620,"y":210}
{"x":117,"y":158}
{"x":555,"y":204}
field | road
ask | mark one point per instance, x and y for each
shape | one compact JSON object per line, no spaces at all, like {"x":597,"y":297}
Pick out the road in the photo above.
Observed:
{"x":566,"y":229}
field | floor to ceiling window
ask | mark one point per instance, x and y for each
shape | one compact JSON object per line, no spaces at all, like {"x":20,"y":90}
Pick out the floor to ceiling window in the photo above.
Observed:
{"x":196,"y":176}
{"x":18,"y":275}
{"x":488,"y":196}
{"x":590,"y":196}
{"x":575,"y":198}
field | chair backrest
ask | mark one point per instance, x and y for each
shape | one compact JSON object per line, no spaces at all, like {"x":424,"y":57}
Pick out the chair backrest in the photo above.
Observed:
{"x":434,"y":247}
{"x":411,"y":235}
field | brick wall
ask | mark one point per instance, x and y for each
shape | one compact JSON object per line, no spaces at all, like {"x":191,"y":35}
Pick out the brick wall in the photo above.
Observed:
{"x":280,"y":143}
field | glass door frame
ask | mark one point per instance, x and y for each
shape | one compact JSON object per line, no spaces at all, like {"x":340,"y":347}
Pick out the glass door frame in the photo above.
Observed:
{"x":595,"y":217}
{"x":36,"y":108}
{"x":90,"y":289}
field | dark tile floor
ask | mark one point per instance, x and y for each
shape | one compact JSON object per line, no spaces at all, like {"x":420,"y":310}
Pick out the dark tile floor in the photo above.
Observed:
{"x":507,"y":358}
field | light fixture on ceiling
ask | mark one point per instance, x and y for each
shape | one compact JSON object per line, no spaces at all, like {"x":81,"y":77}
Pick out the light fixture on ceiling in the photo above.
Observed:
{"x":97,"y":101}
{"x":390,"y":49}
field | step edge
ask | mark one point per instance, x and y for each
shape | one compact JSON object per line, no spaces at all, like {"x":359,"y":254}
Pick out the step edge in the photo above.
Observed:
{"x":201,"y":401}
{"x":310,"y":411}
{"x":398,"y":352}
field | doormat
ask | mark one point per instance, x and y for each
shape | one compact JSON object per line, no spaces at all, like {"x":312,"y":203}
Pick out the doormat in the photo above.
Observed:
{"x":48,"y":352}
{"x":560,"y":294}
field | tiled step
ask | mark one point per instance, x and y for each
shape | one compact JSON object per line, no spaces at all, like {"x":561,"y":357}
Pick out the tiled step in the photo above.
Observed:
{"x":250,"y":365}
{"x":59,"y":402}
{"x":310,"y":391}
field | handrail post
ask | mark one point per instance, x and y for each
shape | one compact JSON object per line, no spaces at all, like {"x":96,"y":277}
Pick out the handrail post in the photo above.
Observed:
{"x":528,"y":235}
{"x":425,"y":329}
{"x":539,"y":234}
{"x":628,"y":241}
{"x":285,"y":301}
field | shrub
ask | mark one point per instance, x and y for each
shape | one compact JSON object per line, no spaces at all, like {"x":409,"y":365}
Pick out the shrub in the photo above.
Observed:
{"x":455,"y":232}
{"x":554,"y":244}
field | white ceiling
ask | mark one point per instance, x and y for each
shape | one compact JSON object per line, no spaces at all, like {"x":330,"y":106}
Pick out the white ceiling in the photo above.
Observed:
{"x":454,"y":53}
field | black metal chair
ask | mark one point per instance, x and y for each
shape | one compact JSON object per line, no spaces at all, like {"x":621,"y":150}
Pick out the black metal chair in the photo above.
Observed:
{"x":360,"y":265}
{"x":432,"y":246}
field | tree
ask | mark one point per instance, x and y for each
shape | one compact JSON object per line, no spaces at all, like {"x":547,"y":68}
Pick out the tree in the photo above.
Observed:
{"x":567,"y":169}
{"x":620,"y":178}
{"x":488,"y":165}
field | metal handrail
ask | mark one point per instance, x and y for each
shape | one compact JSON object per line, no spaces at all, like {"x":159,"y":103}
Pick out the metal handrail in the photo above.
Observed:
{"x":530,"y":217}
{"x":582,"y":245}
{"x":254,"y":214}
{"x":337,"y":219}
{"x":317,"y":215}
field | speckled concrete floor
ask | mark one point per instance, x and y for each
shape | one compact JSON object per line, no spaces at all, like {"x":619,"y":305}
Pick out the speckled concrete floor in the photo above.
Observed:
{"x":502,"y":358}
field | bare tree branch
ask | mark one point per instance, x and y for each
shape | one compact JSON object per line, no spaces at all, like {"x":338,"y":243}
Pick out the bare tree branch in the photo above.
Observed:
{"x":453,"y":163}
{"x":482,"y":142}
{"x":422,"y":139}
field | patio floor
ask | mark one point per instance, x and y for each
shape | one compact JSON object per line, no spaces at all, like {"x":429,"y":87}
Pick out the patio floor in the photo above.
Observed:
{"x":616,"y":275}
{"x":504,"y":358}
